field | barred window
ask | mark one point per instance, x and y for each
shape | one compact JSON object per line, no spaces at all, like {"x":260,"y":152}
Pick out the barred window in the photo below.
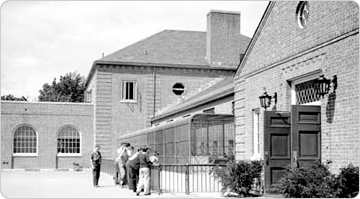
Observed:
{"x":128,"y":91}
{"x":305,"y":93}
{"x":25,"y":140}
{"x":68,"y":140}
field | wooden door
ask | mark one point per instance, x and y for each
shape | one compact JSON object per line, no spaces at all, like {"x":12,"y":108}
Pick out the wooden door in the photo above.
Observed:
{"x":306,"y":134}
{"x":277,"y":146}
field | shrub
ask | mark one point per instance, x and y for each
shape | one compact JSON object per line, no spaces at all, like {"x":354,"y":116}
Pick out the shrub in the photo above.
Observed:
{"x":306,"y":182}
{"x":348,"y":182}
{"x":239,"y":176}
{"x":316,"y":181}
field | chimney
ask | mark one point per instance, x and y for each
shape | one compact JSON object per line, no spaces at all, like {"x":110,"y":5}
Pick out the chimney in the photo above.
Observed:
{"x":222,"y":38}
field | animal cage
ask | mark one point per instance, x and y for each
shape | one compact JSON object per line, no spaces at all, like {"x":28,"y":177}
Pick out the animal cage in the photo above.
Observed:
{"x":193,"y":139}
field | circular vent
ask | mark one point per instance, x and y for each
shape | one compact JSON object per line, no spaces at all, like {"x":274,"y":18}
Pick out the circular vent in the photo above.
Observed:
{"x":178,"y":88}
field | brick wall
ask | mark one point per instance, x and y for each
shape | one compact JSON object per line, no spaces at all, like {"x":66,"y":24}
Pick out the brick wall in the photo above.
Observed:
{"x":329,"y":44}
{"x":47,"y":119}
{"x":114,"y":118}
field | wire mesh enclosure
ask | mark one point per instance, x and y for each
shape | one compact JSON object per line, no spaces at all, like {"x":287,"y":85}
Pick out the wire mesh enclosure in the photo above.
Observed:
{"x":197,"y":139}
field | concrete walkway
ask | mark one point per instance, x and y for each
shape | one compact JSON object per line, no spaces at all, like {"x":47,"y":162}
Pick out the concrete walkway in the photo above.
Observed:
{"x":70,"y":184}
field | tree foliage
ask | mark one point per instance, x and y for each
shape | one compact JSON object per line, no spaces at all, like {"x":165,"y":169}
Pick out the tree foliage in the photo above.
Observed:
{"x":70,"y":88}
{"x":11,"y":97}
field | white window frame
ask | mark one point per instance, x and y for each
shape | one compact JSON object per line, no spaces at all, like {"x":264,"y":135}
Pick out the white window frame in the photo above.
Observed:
{"x":299,"y":81}
{"x":26,"y":154}
{"x":69,"y":154}
{"x":124,"y":90}
{"x":256,"y":134}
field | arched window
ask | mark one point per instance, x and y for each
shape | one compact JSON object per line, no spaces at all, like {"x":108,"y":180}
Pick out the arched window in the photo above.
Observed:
{"x":68,"y":140}
{"x":25,"y":140}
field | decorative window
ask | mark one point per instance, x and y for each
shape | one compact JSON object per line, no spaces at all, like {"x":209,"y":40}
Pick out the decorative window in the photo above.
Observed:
{"x":68,"y":140}
{"x":178,"y":88}
{"x":303,"y":91}
{"x":302,"y":13}
{"x":128,"y":91}
{"x":25,"y":140}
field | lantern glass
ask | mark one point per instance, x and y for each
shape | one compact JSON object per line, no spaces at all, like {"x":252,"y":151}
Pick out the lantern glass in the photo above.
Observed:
{"x":265,"y":100}
{"x":322,"y":85}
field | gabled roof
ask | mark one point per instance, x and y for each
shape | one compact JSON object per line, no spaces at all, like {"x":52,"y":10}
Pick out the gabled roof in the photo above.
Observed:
{"x":255,"y":37}
{"x":220,"y":89}
{"x":169,"y":47}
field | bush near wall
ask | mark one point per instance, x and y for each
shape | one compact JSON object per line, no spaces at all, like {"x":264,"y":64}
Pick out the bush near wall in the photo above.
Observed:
{"x":242,"y":178}
{"x":316,"y":181}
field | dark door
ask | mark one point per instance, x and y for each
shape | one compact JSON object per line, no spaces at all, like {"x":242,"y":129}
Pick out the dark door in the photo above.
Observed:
{"x":306,"y":134}
{"x":277,"y":146}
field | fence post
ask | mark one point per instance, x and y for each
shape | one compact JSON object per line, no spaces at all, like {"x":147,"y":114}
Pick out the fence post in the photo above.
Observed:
{"x":159,"y":180}
{"x":187,"y":178}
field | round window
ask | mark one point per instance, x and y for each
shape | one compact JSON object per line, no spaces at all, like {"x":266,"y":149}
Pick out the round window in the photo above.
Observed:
{"x":302,"y":14}
{"x":178,"y":88}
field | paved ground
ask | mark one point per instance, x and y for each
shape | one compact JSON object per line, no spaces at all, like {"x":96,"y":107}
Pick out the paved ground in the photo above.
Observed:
{"x":70,"y":184}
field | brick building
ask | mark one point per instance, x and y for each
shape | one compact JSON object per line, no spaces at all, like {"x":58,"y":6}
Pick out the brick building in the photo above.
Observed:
{"x":294,"y":44}
{"x":129,"y":86}
{"x":45,"y":135}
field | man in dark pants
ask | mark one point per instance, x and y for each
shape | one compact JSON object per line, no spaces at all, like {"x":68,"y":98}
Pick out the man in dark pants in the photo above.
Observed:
{"x":133,"y":165}
{"x":95,"y":165}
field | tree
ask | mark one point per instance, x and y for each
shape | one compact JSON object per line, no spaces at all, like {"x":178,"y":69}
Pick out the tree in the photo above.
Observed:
{"x":70,"y":88}
{"x":11,"y":97}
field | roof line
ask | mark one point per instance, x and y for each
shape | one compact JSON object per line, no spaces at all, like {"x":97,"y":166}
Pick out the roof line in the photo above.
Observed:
{"x":255,"y":36}
{"x":163,"y":65}
{"x":195,"y":104}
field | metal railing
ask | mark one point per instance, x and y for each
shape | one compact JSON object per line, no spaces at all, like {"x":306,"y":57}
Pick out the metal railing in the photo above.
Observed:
{"x":178,"y":178}
{"x":184,"y":178}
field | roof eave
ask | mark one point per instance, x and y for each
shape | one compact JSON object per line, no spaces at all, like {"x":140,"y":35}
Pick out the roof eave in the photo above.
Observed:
{"x":255,"y":37}
{"x":171,"y":65}
{"x":148,"y":64}
{"x":225,"y":93}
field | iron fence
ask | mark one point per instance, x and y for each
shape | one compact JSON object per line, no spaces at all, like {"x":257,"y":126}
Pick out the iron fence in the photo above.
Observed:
{"x":178,"y":178}
{"x":185,"y":178}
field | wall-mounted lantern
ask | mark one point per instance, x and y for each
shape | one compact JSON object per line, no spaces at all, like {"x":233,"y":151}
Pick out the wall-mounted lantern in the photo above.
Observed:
{"x":322,"y":85}
{"x":265,"y":100}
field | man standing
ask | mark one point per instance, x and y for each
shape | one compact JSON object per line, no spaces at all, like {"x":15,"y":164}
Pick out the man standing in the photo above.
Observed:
{"x":95,"y":164}
{"x":144,"y":174}
{"x":132,"y":166}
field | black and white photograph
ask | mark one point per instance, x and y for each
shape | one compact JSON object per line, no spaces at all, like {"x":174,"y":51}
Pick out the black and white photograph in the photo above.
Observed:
{"x":180,"y":99}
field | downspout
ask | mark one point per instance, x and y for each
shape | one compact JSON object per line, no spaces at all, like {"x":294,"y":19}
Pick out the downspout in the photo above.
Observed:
{"x":154,"y":78}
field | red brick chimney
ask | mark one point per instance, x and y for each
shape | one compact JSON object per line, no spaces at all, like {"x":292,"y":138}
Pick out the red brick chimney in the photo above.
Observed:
{"x":222,"y":38}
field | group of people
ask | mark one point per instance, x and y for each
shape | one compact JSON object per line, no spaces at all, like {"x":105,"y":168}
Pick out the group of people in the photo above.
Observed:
{"x":132,"y":167}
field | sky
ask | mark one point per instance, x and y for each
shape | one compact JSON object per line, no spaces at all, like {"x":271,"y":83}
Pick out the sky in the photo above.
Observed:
{"x":42,"y":40}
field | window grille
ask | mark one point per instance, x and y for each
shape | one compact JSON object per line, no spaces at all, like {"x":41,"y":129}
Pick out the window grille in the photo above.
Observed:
{"x":68,"y":140}
{"x":25,"y":140}
{"x":128,"y":91}
{"x":88,"y":96}
{"x":305,"y":92}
